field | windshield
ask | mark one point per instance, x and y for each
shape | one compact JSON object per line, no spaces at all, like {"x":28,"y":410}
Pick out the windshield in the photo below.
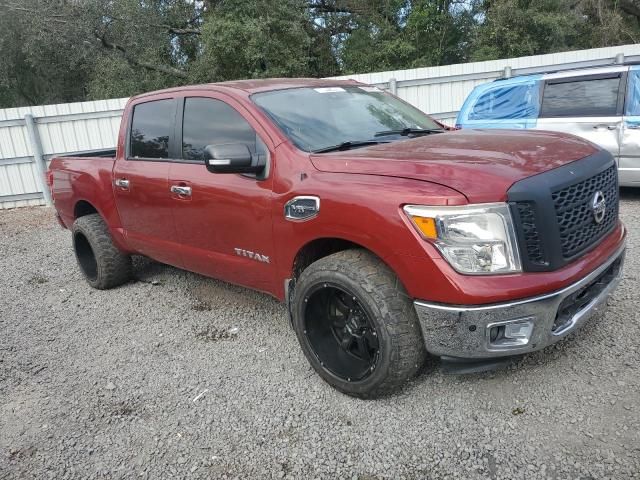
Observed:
{"x":318,"y":118}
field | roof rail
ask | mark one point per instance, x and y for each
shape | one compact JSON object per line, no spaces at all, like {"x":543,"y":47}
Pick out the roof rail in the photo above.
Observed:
{"x":619,"y":60}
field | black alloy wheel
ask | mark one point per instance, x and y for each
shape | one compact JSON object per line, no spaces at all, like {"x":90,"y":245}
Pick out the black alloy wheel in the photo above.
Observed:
{"x":340,"y":332}
{"x":356,"y":324}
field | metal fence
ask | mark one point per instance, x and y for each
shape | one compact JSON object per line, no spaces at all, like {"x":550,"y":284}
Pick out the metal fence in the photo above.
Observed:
{"x":441,"y":91}
{"x":30,"y":136}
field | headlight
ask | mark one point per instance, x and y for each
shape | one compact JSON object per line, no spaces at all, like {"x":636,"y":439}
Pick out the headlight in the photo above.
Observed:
{"x":476,"y":239}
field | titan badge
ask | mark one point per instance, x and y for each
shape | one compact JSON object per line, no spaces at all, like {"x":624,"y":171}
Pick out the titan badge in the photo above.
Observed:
{"x":241,"y":252}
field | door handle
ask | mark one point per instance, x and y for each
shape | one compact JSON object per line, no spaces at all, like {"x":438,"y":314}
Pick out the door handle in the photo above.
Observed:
{"x":122,"y":183}
{"x":181,"y":190}
{"x":633,"y":126}
{"x":603,"y":126}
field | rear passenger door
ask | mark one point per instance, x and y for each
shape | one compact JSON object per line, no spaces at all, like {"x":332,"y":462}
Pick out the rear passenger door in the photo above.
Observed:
{"x":589,"y":106}
{"x":629,"y":165}
{"x":141,"y":181}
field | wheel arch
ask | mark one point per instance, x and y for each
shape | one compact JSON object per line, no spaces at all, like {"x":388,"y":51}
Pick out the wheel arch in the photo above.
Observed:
{"x":84,"y":207}
{"x":321,"y":247}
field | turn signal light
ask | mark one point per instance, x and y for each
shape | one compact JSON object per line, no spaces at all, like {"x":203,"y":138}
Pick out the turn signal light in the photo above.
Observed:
{"x":427,"y":226}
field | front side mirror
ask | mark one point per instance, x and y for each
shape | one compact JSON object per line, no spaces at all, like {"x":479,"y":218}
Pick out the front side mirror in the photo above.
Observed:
{"x":233,"y":158}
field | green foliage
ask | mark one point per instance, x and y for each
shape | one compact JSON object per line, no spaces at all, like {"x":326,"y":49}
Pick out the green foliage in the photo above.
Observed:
{"x":37,"y":67}
{"x":254,"y":39}
{"x":114,"y":77}
{"x":70,"y":50}
{"x":516,"y":28}
{"x":513,"y":28}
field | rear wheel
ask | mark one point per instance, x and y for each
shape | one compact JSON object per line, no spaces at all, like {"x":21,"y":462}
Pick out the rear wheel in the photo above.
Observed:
{"x":103,"y":265}
{"x":356,"y":324}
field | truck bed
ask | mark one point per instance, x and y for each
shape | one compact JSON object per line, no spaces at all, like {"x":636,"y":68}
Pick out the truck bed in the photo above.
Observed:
{"x":82,"y":177}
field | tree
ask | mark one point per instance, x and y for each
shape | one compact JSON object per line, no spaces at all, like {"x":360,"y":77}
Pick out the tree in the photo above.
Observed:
{"x":65,"y":50}
{"x":511,"y":28}
{"x":254,"y":39}
{"x":71,"y":50}
{"x":40,"y":62}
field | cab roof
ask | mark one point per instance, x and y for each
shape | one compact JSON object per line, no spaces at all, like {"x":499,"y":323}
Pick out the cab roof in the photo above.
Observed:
{"x":260,"y":85}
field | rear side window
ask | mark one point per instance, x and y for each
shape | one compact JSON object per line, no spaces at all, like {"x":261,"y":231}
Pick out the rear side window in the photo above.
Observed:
{"x":581,"y":98}
{"x":517,"y":101}
{"x":633,"y":93}
{"x":151,"y":128}
{"x":212,"y":122}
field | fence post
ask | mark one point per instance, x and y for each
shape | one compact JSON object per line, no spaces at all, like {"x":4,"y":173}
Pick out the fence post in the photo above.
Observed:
{"x":506,"y":73}
{"x":38,"y":156}
{"x":619,"y":59}
{"x":393,"y":86}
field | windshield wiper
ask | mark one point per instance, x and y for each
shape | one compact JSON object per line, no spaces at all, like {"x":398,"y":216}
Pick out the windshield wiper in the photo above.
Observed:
{"x":405,"y":132}
{"x":349,"y":145}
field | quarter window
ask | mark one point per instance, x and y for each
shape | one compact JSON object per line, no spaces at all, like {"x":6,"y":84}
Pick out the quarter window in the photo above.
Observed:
{"x":151,"y":128}
{"x":581,"y":98}
{"x":213,"y":122}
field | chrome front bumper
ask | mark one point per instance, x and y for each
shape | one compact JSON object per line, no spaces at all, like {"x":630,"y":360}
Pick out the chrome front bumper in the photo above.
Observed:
{"x":473,"y":332}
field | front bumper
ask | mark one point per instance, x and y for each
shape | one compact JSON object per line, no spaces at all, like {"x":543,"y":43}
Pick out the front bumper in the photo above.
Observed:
{"x":474,"y":331}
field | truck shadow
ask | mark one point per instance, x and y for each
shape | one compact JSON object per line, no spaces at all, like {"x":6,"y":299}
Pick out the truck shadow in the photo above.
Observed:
{"x":629,"y":193}
{"x":205,"y":293}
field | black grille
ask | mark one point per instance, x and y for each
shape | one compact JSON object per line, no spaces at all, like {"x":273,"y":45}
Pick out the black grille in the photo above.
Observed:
{"x":530,"y":233}
{"x":553,"y":211}
{"x":574,"y":213}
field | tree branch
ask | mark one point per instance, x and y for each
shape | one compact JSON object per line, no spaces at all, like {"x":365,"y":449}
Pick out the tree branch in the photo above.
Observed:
{"x":139,"y":63}
{"x":179,"y":31}
{"x":51,"y":16}
{"x":630,"y":7}
{"x":324,"y":8}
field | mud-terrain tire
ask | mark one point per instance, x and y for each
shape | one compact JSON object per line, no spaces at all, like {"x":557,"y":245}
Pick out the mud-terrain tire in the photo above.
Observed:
{"x":103,"y":265}
{"x":357,"y":281}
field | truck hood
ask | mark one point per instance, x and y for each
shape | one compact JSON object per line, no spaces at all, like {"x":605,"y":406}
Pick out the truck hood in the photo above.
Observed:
{"x":480,"y":164}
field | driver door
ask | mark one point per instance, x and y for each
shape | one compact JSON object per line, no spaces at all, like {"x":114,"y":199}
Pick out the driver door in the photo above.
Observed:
{"x":223,"y":220}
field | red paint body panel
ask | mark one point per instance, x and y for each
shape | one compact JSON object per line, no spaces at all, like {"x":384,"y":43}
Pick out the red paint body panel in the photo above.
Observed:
{"x":362,"y":193}
{"x":478,"y":163}
{"x":145,"y":209}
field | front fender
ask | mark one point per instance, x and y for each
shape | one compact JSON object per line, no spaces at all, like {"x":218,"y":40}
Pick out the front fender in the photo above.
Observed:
{"x":365,"y":210}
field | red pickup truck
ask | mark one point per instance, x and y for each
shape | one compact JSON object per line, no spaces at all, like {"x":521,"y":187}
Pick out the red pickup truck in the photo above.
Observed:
{"x":388,"y":236}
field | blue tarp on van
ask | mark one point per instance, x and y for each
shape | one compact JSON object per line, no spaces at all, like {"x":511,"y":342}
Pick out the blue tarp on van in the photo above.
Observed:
{"x":633,"y":101}
{"x":510,"y":103}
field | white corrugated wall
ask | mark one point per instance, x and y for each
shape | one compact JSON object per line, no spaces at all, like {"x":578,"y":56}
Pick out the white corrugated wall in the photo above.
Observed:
{"x":63,"y":128}
{"x":75,"y":127}
{"x":449,"y":85}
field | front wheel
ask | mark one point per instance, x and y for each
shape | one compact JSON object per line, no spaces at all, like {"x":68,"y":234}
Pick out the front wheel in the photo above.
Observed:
{"x":356,"y":324}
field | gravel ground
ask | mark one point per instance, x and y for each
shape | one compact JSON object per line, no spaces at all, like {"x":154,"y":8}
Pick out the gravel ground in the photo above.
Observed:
{"x":179,"y":376}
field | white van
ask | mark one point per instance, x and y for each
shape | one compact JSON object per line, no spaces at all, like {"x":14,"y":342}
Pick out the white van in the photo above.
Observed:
{"x":600,"y":104}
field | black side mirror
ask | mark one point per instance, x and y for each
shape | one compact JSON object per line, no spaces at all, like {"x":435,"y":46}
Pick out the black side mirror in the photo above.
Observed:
{"x":233,"y":158}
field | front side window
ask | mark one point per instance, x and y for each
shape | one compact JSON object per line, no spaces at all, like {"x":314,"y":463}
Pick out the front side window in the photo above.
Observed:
{"x":151,"y":128}
{"x":318,"y":118}
{"x":212,"y":122}
{"x":513,"y":102}
{"x":581,"y":98}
